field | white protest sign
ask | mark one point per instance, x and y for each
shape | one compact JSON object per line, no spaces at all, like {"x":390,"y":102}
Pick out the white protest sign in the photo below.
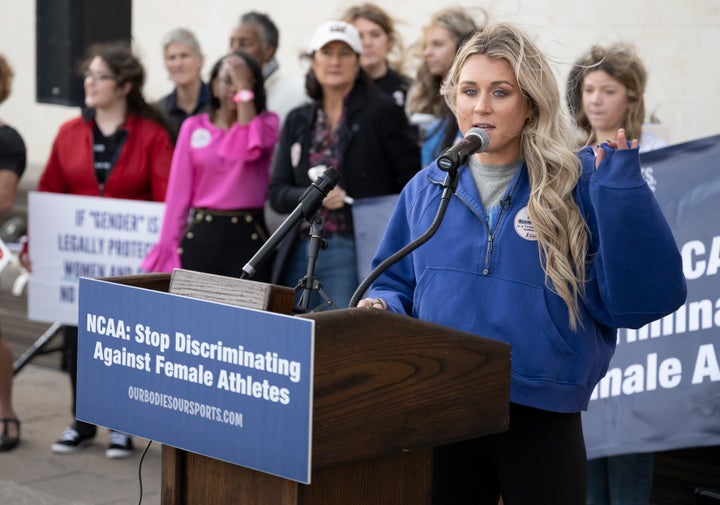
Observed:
{"x":80,"y":236}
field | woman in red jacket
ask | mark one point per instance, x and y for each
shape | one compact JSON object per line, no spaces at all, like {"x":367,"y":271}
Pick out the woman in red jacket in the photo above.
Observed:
{"x":118,"y":148}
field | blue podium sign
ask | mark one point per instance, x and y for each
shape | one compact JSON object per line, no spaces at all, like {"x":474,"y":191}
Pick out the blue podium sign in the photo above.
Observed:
{"x":227,"y":382}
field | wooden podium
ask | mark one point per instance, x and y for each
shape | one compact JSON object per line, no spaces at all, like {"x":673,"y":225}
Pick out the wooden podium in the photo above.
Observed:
{"x":387,"y":389}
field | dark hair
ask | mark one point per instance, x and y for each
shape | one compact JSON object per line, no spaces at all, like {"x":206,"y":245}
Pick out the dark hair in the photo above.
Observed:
{"x":125,"y":68}
{"x":258,"y":85}
{"x":6,"y":76}
{"x":270,"y":33}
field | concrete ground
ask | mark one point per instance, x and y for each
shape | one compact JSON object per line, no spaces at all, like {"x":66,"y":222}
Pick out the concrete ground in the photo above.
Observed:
{"x":32,"y":474}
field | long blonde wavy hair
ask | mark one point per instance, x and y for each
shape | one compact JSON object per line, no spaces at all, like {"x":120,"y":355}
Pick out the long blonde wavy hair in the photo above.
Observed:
{"x":553,"y":167}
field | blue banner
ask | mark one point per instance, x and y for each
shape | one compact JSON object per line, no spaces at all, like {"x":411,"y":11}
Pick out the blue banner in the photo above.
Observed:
{"x":230,"y":383}
{"x":662,"y":391}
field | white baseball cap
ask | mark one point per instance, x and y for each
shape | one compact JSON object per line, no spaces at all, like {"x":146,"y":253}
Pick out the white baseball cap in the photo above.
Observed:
{"x":336,"y":30}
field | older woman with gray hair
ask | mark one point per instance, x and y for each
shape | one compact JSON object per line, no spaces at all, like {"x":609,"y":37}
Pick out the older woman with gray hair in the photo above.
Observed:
{"x":183,"y":62}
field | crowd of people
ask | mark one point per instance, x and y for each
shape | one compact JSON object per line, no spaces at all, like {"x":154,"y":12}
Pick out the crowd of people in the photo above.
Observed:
{"x":230,"y":155}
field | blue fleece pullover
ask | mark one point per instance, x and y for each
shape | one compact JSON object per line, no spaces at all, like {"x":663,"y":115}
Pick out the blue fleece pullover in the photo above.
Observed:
{"x":492,"y":283}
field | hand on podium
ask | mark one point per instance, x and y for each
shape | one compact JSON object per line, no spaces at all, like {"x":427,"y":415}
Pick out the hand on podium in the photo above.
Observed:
{"x":373,"y":303}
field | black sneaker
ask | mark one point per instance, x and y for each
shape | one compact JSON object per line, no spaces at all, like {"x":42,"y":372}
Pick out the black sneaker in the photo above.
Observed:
{"x":121,"y":446}
{"x":70,"y":442}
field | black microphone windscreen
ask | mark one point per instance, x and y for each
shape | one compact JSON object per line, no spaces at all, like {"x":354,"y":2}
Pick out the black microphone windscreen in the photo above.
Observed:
{"x":327,"y":180}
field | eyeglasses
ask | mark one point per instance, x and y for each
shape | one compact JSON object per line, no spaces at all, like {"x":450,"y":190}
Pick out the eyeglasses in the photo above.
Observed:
{"x":96,"y":76}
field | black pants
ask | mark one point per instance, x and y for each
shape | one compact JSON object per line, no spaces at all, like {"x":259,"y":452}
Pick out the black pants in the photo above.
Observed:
{"x":222,"y":242}
{"x":539,"y":460}
{"x":70,"y":355}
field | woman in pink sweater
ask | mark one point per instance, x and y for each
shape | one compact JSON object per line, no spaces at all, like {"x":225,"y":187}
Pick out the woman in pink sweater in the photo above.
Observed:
{"x":220,"y":172}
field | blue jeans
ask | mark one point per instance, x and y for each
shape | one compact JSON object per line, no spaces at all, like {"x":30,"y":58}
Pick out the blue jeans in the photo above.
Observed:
{"x":335,"y":268}
{"x":620,"y":480}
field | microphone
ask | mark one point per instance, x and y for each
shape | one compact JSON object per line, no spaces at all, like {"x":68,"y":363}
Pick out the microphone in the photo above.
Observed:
{"x":311,"y":199}
{"x":476,"y":140}
{"x":309,"y":204}
{"x":314,"y":173}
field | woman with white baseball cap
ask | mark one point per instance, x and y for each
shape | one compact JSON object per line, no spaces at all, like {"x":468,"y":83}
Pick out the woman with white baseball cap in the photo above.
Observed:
{"x":355,"y":129}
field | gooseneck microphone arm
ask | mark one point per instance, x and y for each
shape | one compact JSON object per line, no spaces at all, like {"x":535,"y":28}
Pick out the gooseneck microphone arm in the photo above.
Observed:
{"x":449,"y":186}
{"x":309,"y":204}
{"x":476,"y":140}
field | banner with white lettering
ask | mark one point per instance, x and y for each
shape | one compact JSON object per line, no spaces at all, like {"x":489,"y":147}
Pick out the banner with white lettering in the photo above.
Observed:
{"x":80,"y":236}
{"x":662,"y":391}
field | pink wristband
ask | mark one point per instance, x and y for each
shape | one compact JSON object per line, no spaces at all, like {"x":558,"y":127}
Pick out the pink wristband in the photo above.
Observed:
{"x":244,"y":96}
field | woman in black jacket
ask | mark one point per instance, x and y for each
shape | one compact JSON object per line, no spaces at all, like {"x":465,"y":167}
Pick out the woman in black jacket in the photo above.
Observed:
{"x":353,"y":128}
